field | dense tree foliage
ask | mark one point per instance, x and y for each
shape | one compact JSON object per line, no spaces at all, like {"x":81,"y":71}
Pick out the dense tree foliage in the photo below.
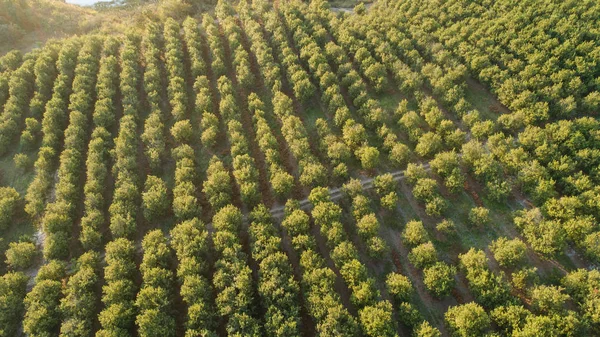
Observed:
{"x":276,"y":284}
{"x":97,"y":162}
{"x":58,"y":218}
{"x":233,"y":278}
{"x":118,"y":315}
{"x":13,"y":287}
{"x":189,"y":240}
{"x":42,"y":303}
{"x":123,"y":210}
{"x":444,"y":157}
{"x":79,"y":304}
{"x":53,"y":125}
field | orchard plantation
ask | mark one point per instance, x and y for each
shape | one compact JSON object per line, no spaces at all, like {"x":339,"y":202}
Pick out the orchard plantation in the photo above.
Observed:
{"x":398,"y":168}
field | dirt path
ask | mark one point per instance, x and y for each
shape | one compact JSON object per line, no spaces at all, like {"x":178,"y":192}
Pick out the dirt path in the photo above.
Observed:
{"x":337,"y":193}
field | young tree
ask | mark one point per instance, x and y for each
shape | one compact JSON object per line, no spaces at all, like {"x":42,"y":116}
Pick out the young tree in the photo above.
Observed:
{"x":415,"y":233}
{"x":429,"y":144}
{"x":479,"y":216}
{"x":423,"y":255}
{"x":20,"y":255}
{"x":399,"y":286}
{"x":439,"y":279}
{"x":368,"y":156}
{"x":377,"y":320}
{"x":508,"y":253}
{"x":154,"y":198}
{"x":548,"y":299}
{"x":446,"y":227}
{"x":9,"y":199}
{"x":467,"y":320}
{"x":426,"y":330}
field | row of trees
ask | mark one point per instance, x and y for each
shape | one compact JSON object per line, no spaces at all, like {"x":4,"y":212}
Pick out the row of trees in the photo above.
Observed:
{"x":245,"y":170}
{"x":154,"y":301}
{"x":124,"y":206}
{"x":425,"y":189}
{"x":337,"y":151}
{"x":312,"y":172}
{"x":215,"y":46}
{"x":193,"y":45}
{"x":490,"y":289}
{"x":42,"y":303}
{"x":322,"y":300}
{"x":281,"y":181}
{"x":367,"y":224}
{"x":240,"y":60}
{"x":97,"y":163}
{"x":57,"y":222}
{"x":185,"y":200}
{"x":20,"y":91}
{"x":79,"y":303}
{"x":53,"y":125}
{"x":118,"y":315}
{"x":401,"y":289}
{"x":277,"y":288}
{"x":154,"y":125}
{"x":438,"y":276}
{"x":45,"y":71}
{"x":232,"y":278}
{"x":375,"y":314}
{"x":185,"y":193}
{"x":353,"y":132}
{"x":189,"y":240}
{"x":174,"y":62}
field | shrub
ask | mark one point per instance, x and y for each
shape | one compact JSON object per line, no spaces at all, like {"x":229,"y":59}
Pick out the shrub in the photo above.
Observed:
{"x":20,"y":255}
{"x":22,"y":161}
{"x":508,"y":253}
{"x":415,"y":233}
{"x":446,"y":227}
{"x":479,"y":216}
{"x":423,"y":255}
{"x":467,"y":320}
{"x":399,"y":286}
{"x":9,"y":199}
{"x":155,"y":199}
{"x":439,"y":279}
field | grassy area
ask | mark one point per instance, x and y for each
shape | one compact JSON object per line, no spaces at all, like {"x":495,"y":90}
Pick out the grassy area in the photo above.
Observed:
{"x":483,"y":101}
{"x":347,"y":3}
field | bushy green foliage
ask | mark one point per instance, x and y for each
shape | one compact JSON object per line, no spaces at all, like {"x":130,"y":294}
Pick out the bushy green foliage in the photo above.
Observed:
{"x":9,"y":199}
{"x":20,"y":255}
{"x":439,"y":279}
{"x":467,"y":320}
